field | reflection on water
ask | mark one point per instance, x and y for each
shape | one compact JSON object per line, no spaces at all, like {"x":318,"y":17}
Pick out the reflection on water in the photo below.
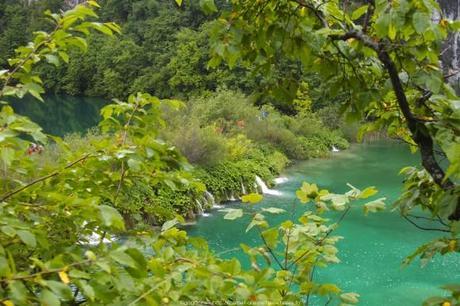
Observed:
{"x":373,"y":246}
{"x":61,"y":114}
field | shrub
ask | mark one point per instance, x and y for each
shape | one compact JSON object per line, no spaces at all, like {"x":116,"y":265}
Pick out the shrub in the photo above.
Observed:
{"x":202,"y":146}
{"x":224,"y":107}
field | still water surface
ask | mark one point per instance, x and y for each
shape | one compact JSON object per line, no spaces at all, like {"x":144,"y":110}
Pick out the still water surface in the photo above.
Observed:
{"x":61,"y":114}
{"x":373,"y":246}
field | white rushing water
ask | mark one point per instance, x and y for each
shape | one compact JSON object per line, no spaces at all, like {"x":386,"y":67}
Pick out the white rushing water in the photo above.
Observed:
{"x":210,"y":198}
{"x":334,"y":149}
{"x":200,"y":207}
{"x":232,"y":198}
{"x":95,"y":239}
{"x":264,"y":188}
{"x":281,"y":180}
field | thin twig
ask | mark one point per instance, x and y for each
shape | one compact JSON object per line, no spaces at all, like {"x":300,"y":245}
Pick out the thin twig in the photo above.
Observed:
{"x":24,"y":277}
{"x":425,"y":228}
{"x":269,"y":249}
{"x":322,"y":239}
{"x":123,"y":142}
{"x":44,"y":178}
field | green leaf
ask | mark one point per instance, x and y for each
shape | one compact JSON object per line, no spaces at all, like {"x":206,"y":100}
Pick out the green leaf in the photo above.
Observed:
{"x":327,"y":289}
{"x":35,"y":90}
{"x":252,"y":198}
{"x":4,"y":267}
{"x":8,"y":230}
{"x":27,"y":237}
{"x":169,"y":224}
{"x":134,"y":164}
{"x":302,"y":196}
{"x":18,"y":291}
{"x":350,"y":298}
{"x":360,"y":11}
{"x":368,"y":192}
{"x":87,"y":290}
{"x":374,"y":206}
{"x":233,"y":214}
{"x":258,"y":220}
{"x":93,"y":3}
{"x":391,"y":31}
{"x":60,"y":289}
{"x":111,"y":217}
{"x":271,"y":237}
{"x":122,"y":258}
{"x":47,"y":298}
{"x":52,"y":59}
{"x":208,"y":6}
{"x":179,"y":2}
{"x":421,"y":22}
{"x":7,"y":155}
{"x":274,"y":210}
{"x":382,"y":24}
{"x":102,"y":28}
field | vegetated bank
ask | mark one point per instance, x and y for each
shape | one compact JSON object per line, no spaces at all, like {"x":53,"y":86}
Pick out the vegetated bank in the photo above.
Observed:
{"x":231,"y":148}
{"x":227,"y":130}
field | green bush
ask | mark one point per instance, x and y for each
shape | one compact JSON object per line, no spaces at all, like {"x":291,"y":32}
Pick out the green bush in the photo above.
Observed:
{"x":202,"y":146}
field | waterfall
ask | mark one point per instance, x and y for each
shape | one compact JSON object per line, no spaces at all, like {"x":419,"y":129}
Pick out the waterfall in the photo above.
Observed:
{"x":95,"y":239}
{"x":200,"y":207}
{"x":210,"y":198}
{"x":201,"y":211}
{"x":334,"y":149}
{"x":264,"y":188}
{"x":243,"y":189}
{"x":281,"y":180}
{"x":231,"y":198}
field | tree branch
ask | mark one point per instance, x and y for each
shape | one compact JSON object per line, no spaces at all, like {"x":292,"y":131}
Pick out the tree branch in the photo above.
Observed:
{"x":270,"y":250}
{"x":369,"y":13}
{"x":44,"y":178}
{"x":425,"y":228}
{"x":418,"y":130}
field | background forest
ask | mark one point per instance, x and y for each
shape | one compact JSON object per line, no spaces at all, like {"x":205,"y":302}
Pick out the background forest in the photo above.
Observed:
{"x":236,"y":124}
{"x":209,"y":103}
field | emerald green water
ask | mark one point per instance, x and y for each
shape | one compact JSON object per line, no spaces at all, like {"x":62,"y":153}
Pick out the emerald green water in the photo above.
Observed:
{"x":61,"y":114}
{"x":373,"y":247}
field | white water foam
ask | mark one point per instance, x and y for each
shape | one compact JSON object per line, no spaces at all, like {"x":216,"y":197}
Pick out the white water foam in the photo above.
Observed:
{"x":281,"y":180}
{"x":264,"y":188}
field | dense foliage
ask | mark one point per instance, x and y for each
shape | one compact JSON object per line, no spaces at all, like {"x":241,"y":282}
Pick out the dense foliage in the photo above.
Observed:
{"x":165,"y":51}
{"x":382,"y":58}
{"x":69,"y":217}
{"x":53,"y":207}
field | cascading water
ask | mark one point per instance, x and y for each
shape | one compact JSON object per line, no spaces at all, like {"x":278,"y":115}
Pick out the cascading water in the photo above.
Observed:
{"x":281,"y":180}
{"x":334,"y":149}
{"x":232,"y":198}
{"x":264,"y":188}
{"x":201,"y":211}
{"x":200,"y":207}
{"x":243,"y":189}
{"x":210,"y":198}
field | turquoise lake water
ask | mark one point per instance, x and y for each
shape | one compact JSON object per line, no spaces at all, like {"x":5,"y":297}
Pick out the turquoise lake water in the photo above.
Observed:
{"x":373,"y":246}
{"x":61,"y":114}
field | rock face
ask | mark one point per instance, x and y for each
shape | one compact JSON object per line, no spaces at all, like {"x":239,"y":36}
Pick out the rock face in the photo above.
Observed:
{"x":72,"y":3}
{"x":451,"y":51}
